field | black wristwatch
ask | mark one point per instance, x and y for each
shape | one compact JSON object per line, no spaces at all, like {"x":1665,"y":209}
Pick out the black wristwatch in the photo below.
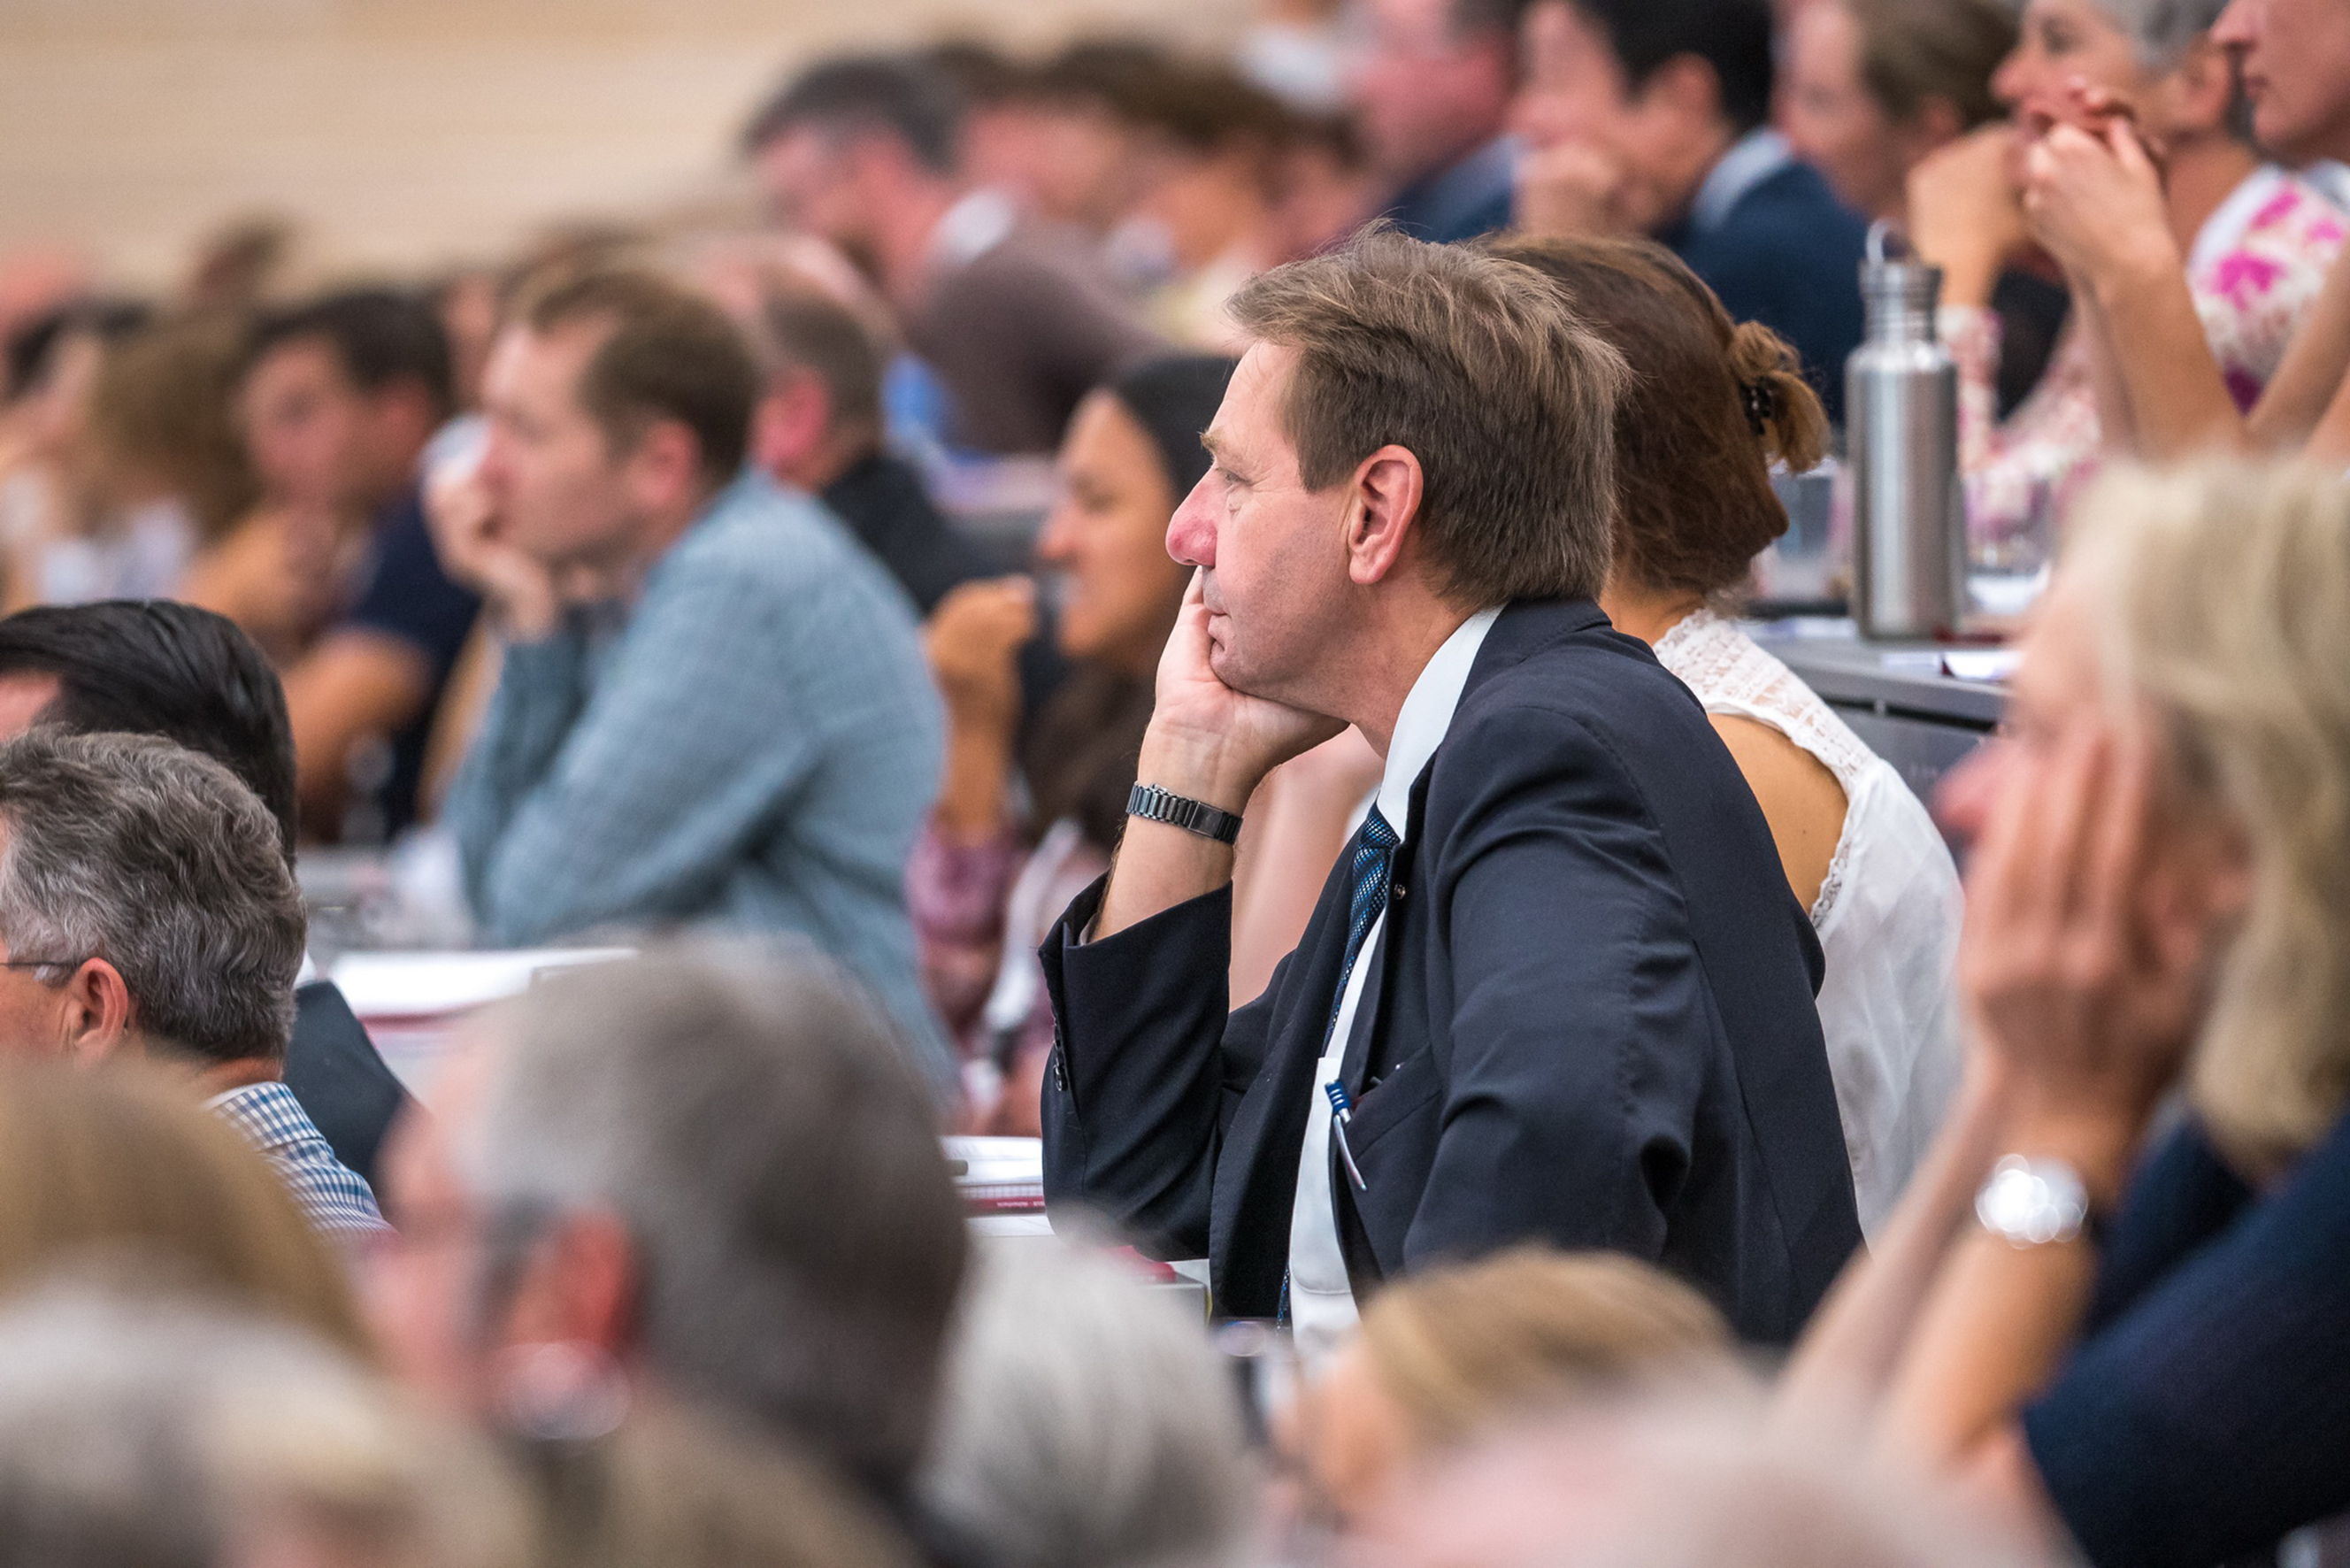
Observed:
{"x":1152,"y":804}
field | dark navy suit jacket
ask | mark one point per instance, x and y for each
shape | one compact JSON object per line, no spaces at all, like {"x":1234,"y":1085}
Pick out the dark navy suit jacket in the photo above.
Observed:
{"x":1787,"y":254}
{"x":1589,"y":1022}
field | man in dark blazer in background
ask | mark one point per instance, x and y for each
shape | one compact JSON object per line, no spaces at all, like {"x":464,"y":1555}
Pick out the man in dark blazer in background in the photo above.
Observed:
{"x":1556,"y":989}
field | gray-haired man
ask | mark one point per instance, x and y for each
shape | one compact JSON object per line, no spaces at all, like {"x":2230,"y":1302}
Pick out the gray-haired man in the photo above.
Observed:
{"x":147,"y":908}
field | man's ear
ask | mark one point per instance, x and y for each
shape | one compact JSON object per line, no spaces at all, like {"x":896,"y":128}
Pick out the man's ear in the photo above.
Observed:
{"x":1382,"y":506}
{"x":790,"y":422}
{"x":95,"y":1017}
{"x":576,"y":1284}
{"x":665,"y":469}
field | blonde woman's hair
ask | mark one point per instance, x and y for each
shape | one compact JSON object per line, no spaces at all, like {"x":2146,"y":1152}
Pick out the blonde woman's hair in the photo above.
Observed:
{"x":1459,"y":1347}
{"x":2223,"y":596}
{"x":117,"y":1170}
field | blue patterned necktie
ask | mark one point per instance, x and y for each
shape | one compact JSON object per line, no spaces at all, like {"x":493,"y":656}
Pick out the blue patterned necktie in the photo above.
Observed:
{"x":1369,"y":874}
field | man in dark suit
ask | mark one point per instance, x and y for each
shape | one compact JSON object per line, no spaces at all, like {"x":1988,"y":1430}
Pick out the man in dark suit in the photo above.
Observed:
{"x":1556,"y":988}
{"x":160,"y":667}
{"x":1653,"y":116}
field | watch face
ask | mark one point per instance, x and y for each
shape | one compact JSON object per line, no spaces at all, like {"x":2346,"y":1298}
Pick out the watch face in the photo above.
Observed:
{"x":2032,"y":1203}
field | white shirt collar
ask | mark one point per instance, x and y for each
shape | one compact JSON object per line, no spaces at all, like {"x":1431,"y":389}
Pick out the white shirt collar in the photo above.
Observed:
{"x":1752,"y":159}
{"x":1427,"y":714}
{"x":973,"y":226}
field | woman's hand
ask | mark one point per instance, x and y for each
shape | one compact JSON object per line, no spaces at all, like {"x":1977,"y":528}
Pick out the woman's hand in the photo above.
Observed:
{"x":1570,"y":191}
{"x":973,"y":640}
{"x":1966,"y":213}
{"x":2094,"y":201}
{"x":1207,"y":741}
{"x":2084,"y":988}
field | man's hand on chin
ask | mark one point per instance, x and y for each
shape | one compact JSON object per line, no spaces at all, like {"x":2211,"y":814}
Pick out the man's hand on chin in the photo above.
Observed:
{"x":1206,"y":739}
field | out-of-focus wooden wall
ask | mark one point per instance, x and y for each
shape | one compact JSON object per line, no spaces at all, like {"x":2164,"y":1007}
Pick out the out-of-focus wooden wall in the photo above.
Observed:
{"x":412,"y":133}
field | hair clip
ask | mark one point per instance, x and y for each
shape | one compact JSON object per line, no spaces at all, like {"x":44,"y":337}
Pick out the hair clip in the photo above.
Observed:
{"x":1761,"y":405}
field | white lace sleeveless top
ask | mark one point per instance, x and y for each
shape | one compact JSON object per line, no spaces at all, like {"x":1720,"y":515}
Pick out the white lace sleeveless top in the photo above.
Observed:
{"x":1887,"y":915}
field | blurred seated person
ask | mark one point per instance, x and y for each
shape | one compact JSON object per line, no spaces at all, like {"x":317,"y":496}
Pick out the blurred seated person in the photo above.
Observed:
{"x":161,"y":668}
{"x":154,"y":473}
{"x":1458,"y":1352}
{"x":2129,"y":1324}
{"x":818,"y":428}
{"x":1324,"y":189}
{"x":53,"y":363}
{"x":1090,"y":156}
{"x":704,"y":1178}
{"x":1087,"y":1422}
{"x":1018,"y":322}
{"x":341,"y":396}
{"x":1429,"y":89}
{"x":1868,"y":89}
{"x":1652,"y":116}
{"x":2253,"y":242}
{"x":1713,"y":407}
{"x":1024,"y":823}
{"x":2101,"y":194}
{"x":148,"y":911}
{"x":1214,"y":147}
{"x":712,"y":708}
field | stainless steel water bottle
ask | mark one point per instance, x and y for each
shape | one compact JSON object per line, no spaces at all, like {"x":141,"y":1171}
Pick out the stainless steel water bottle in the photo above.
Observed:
{"x":1901,"y":444}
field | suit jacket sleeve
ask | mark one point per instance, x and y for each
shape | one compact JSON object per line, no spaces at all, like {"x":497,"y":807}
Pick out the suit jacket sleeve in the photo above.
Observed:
{"x":1581,"y":1024}
{"x":1147,"y":1067}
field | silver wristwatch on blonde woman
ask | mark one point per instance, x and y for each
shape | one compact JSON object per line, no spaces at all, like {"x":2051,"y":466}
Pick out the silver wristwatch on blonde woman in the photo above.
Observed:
{"x":2033,"y":1202}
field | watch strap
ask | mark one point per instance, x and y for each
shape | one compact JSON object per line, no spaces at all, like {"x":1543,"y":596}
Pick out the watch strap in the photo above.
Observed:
{"x":1152,"y":804}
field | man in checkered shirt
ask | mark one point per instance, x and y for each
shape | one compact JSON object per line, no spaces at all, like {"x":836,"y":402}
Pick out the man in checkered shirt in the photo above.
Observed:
{"x":147,"y":909}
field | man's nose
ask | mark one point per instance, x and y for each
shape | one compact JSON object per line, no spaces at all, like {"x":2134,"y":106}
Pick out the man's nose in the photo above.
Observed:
{"x":1191,"y":532}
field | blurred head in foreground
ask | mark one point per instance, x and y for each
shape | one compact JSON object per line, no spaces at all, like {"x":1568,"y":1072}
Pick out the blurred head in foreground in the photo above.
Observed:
{"x":709,"y":1173}
{"x":118,"y":1170}
{"x":1674,"y":1485}
{"x":1086,"y":1423}
{"x":146,"y":1433}
{"x":1445,"y":1356}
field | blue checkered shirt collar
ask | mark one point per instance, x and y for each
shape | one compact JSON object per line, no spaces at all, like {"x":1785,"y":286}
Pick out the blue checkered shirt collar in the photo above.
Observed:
{"x":336,"y":1197}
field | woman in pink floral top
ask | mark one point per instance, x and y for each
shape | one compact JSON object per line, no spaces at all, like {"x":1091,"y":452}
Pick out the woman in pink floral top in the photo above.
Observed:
{"x":1023,"y":824}
{"x":2257,"y":241}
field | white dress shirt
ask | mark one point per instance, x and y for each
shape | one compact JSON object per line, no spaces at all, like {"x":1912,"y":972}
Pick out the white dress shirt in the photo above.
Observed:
{"x":1321,"y":1301}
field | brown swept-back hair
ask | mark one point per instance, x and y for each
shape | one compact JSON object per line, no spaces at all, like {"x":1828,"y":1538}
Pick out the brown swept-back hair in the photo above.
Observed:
{"x":118,"y":1167}
{"x":668,"y":353}
{"x":1711,"y":403}
{"x":1479,"y":367}
{"x":1914,"y":51}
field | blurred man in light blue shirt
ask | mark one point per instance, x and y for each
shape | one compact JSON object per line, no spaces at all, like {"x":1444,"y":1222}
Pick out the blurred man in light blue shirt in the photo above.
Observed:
{"x":714,"y":708}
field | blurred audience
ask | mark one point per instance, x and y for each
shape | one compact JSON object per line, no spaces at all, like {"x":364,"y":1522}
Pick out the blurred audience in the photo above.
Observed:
{"x":1297,"y":50}
{"x":1086,"y":103}
{"x":1430,"y":86}
{"x":1869,"y":89}
{"x":1024,"y":822}
{"x":1679,"y":1484}
{"x":53,"y":363}
{"x":2256,"y":241}
{"x":1650,"y":117}
{"x":2176,"y":324}
{"x":150,"y":911}
{"x":1714,"y":406}
{"x":341,"y":396}
{"x":2101,"y":1313}
{"x":187,"y":675}
{"x":151,"y":1432}
{"x":817,"y":427}
{"x":1017,"y":322}
{"x":1084,"y":1424}
{"x":119,"y":1175}
{"x":705,"y":1179}
{"x":1452,"y":1355}
{"x":712,"y":707}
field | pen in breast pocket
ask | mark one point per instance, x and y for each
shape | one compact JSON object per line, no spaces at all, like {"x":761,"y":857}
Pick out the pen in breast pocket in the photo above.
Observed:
{"x":1342,"y":1111}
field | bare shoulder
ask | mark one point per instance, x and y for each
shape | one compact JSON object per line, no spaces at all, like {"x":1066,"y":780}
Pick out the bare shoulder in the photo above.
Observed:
{"x":1801,"y":799}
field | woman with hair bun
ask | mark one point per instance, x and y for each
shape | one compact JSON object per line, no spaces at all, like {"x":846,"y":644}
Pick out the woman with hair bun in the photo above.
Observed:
{"x":1710,"y":407}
